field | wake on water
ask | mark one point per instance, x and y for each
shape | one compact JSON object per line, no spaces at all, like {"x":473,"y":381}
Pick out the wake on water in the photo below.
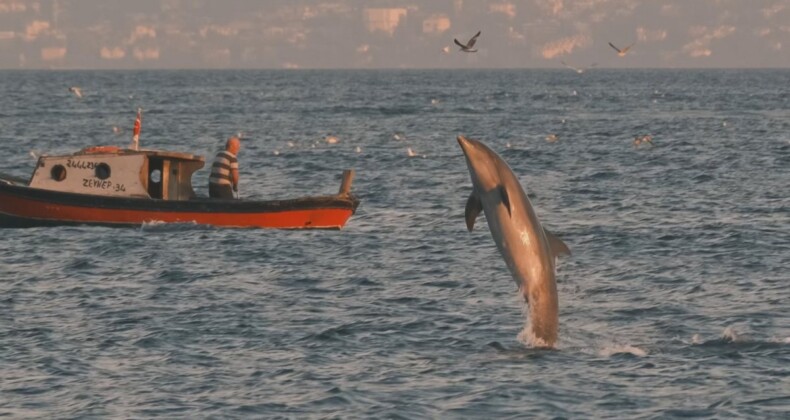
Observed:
{"x":728,"y":336}
{"x":528,"y":338}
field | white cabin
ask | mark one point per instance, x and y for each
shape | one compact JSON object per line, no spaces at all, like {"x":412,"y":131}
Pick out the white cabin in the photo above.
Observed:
{"x":110,"y":171}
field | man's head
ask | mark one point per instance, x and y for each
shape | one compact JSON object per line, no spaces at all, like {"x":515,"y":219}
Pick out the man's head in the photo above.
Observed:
{"x":233,"y":145}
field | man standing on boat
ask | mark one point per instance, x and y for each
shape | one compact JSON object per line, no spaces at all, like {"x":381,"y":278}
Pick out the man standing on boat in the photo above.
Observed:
{"x":224,"y":179}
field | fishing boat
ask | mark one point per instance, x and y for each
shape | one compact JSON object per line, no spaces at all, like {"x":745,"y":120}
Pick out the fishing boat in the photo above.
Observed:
{"x":111,"y":186}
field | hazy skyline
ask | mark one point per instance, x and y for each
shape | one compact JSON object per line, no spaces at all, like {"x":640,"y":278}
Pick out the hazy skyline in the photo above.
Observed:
{"x":152,"y":34}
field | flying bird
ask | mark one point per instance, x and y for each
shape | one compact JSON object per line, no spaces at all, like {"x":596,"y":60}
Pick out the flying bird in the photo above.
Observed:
{"x":622,"y":52}
{"x":469,"y":45}
{"x":76,"y":91}
{"x":579,"y":70}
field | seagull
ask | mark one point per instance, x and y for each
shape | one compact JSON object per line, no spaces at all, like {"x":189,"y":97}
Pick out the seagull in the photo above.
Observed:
{"x":76,"y":91}
{"x":579,"y":70}
{"x":469,"y":45}
{"x":359,"y":149}
{"x":622,"y":52}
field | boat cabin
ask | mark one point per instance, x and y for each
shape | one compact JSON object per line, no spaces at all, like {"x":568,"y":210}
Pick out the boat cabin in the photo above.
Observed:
{"x":111,"y":171}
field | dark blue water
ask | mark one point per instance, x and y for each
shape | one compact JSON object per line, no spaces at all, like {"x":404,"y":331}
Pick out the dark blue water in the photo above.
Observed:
{"x":675,"y":302}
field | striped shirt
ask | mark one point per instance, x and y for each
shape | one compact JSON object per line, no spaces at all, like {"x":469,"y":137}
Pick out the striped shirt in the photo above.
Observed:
{"x":224,"y":162}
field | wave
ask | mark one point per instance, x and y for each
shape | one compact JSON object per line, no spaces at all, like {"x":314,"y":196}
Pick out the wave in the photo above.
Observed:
{"x":730,"y":336}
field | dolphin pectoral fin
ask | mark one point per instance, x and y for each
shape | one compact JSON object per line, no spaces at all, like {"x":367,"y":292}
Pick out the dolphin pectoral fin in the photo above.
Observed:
{"x":505,"y":199}
{"x":557,"y":246}
{"x":473,"y":208}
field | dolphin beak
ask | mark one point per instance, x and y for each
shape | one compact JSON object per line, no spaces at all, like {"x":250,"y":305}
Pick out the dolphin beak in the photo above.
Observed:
{"x":466,"y":144}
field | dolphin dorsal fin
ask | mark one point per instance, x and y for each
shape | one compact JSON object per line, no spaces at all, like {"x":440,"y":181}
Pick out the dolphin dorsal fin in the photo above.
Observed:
{"x":505,"y":199}
{"x":473,"y":208}
{"x":557,"y":246}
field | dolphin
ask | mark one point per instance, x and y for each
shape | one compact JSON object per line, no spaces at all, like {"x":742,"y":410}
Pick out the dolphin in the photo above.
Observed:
{"x":529,"y":250}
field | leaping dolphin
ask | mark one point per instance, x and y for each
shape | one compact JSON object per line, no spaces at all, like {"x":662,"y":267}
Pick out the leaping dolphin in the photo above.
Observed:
{"x":528,"y":249}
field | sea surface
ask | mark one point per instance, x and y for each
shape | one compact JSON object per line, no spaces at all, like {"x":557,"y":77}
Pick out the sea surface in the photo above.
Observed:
{"x":675,"y":302}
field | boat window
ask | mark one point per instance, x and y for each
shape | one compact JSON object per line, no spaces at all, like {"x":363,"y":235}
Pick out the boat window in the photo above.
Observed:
{"x":155,"y":176}
{"x":58,"y":173}
{"x":102,"y":171}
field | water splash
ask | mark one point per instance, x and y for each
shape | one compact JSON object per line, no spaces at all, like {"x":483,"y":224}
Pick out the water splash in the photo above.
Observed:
{"x":528,"y":338}
{"x":527,"y":335}
{"x":615,"y":349}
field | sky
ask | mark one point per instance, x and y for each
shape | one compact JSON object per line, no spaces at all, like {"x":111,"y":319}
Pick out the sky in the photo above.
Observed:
{"x":176,"y":34}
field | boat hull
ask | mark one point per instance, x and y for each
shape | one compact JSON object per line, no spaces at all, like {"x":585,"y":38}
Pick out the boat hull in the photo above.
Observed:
{"x":22,"y":206}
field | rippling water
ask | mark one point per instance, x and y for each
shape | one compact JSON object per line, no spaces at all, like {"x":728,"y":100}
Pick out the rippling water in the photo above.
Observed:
{"x":675,"y":302}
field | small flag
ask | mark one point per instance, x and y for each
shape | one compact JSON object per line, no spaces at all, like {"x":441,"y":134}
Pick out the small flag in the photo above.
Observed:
{"x":138,"y":122}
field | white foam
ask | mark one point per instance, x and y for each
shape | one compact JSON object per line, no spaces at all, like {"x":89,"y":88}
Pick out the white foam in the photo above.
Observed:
{"x":528,"y":338}
{"x":614,"y":349}
{"x":730,"y":334}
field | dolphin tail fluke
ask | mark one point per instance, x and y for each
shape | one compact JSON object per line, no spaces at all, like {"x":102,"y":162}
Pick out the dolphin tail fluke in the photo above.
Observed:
{"x":557,"y":246}
{"x":473,"y":208}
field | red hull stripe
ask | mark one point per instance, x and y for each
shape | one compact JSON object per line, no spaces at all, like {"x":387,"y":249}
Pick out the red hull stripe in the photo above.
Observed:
{"x":328,"y":218}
